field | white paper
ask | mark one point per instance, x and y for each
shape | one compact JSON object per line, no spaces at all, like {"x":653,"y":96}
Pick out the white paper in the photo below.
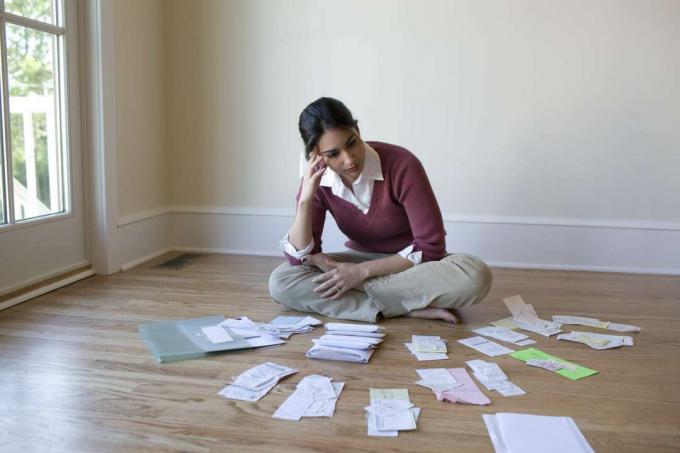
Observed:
{"x":580,"y":320}
{"x":262,"y":376}
{"x":491,"y":376}
{"x":510,"y":389}
{"x":501,"y":333}
{"x":623,"y":327}
{"x":356,"y":334}
{"x":316,"y":386}
{"x":352,"y":327}
{"x":342,"y":354}
{"x":597,"y":340}
{"x":438,"y":379}
{"x":550,"y":365}
{"x":216,"y":334}
{"x":485,"y":346}
{"x":424,"y":356}
{"x":325,"y":407}
{"x":353,"y":339}
{"x":392,"y":415}
{"x":294,"y":407}
{"x":264,"y":341}
{"x":526,"y":342}
{"x":235,"y":392}
{"x":536,"y":325}
{"x":344,"y":343}
{"x":523,"y":433}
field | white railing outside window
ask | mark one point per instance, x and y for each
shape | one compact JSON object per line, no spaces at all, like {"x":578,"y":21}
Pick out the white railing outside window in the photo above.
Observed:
{"x":27,"y":203}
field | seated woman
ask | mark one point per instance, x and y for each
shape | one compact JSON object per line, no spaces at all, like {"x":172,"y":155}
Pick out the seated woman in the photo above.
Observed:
{"x":381,"y":199}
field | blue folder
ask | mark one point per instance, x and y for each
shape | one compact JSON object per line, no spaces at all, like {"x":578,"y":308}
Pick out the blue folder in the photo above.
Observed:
{"x":182,"y":339}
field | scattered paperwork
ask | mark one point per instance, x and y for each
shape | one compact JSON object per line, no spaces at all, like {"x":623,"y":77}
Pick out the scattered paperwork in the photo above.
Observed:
{"x":505,"y":334}
{"x":491,"y":376}
{"x":390,"y":411}
{"x":570,"y":370}
{"x":524,"y":316}
{"x":593,"y":322}
{"x":459,"y":388}
{"x":485,"y":346}
{"x":347,"y":342}
{"x":253,"y":384}
{"x":597,"y":340}
{"x":315,"y":396}
{"x":524,"y":433}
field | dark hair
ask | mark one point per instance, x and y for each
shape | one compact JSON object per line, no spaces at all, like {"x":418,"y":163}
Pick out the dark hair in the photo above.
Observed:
{"x":320,"y":116}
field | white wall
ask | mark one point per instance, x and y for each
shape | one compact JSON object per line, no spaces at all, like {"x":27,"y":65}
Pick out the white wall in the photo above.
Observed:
{"x":563,"y":109}
{"x":549,"y":129}
{"x":140,"y":106}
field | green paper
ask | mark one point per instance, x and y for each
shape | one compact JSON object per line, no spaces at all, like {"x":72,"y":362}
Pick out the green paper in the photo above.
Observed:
{"x":530,"y":353}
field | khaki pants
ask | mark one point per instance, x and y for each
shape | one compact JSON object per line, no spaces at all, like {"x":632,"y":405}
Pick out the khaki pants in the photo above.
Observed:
{"x":456,"y":281}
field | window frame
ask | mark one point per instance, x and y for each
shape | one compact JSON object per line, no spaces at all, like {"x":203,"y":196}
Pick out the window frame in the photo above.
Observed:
{"x":62,"y":129}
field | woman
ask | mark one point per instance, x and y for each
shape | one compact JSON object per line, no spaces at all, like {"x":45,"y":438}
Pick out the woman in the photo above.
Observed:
{"x":381,"y":199}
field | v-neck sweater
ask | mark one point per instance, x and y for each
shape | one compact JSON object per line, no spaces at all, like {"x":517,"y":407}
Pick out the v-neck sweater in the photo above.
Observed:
{"x":403,"y":211}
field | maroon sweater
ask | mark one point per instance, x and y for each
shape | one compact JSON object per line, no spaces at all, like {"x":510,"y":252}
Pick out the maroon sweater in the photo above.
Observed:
{"x":403,"y":211}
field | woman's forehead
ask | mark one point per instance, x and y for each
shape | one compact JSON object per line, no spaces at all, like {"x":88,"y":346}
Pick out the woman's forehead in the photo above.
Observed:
{"x":334,"y":138}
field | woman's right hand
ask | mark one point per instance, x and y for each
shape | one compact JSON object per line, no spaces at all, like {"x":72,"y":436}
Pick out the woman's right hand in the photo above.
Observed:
{"x":312,"y":177}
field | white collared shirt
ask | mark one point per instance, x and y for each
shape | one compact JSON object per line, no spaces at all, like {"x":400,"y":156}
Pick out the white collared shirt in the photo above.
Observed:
{"x":360,"y":196}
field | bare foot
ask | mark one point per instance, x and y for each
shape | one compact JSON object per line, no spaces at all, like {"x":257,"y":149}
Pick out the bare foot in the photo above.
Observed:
{"x":434,"y":313}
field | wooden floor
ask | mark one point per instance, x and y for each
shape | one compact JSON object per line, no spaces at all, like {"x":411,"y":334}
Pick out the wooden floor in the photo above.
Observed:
{"x":76,"y":376}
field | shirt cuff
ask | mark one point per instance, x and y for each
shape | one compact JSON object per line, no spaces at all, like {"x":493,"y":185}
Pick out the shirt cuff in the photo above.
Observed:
{"x":415,"y":257}
{"x":287,"y":247}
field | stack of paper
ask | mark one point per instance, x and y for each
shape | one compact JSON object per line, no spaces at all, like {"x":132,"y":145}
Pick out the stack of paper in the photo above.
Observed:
{"x":492,"y":377}
{"x":347,"y":342}
{"x":253,"y":384}
{"x":315,"y":396}
{"x":597,"y":340}
{"x":390,"y":411}
{"x":262,"y":334}
{"x":539,"y":358}
{"x":505,"y":334}
{"x":524,"y":316}
{"x":593,"y":322}
{"x":427,"y":347}
{"x":485,"y":346}
{"x":523,"y":433}
{"x":453,"y":384}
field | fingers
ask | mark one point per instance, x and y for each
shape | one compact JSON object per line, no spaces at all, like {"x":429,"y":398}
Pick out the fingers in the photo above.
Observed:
{"x":323,"y":277}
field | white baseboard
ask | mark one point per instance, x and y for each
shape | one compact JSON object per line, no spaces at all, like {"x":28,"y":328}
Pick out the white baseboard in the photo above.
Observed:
{"x":534,"y":243}
{"x":46,"y":289}
{"x":141,"y":240}
{"x":42,"y":277}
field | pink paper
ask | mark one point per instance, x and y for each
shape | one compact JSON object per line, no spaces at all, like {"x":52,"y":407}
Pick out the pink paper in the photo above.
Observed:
{"x":468,"y":393}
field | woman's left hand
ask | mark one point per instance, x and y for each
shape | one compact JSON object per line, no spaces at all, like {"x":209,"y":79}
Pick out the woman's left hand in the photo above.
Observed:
{"x":336,"y":282}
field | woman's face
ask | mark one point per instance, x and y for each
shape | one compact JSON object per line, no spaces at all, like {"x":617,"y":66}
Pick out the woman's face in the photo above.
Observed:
{"x":343,"y":151}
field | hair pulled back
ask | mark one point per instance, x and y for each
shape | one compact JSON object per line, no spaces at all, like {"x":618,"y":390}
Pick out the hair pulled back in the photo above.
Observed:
{"x":321,"y":115}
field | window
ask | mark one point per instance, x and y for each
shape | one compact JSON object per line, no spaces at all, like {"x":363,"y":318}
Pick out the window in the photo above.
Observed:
{"x":34,"y":154}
